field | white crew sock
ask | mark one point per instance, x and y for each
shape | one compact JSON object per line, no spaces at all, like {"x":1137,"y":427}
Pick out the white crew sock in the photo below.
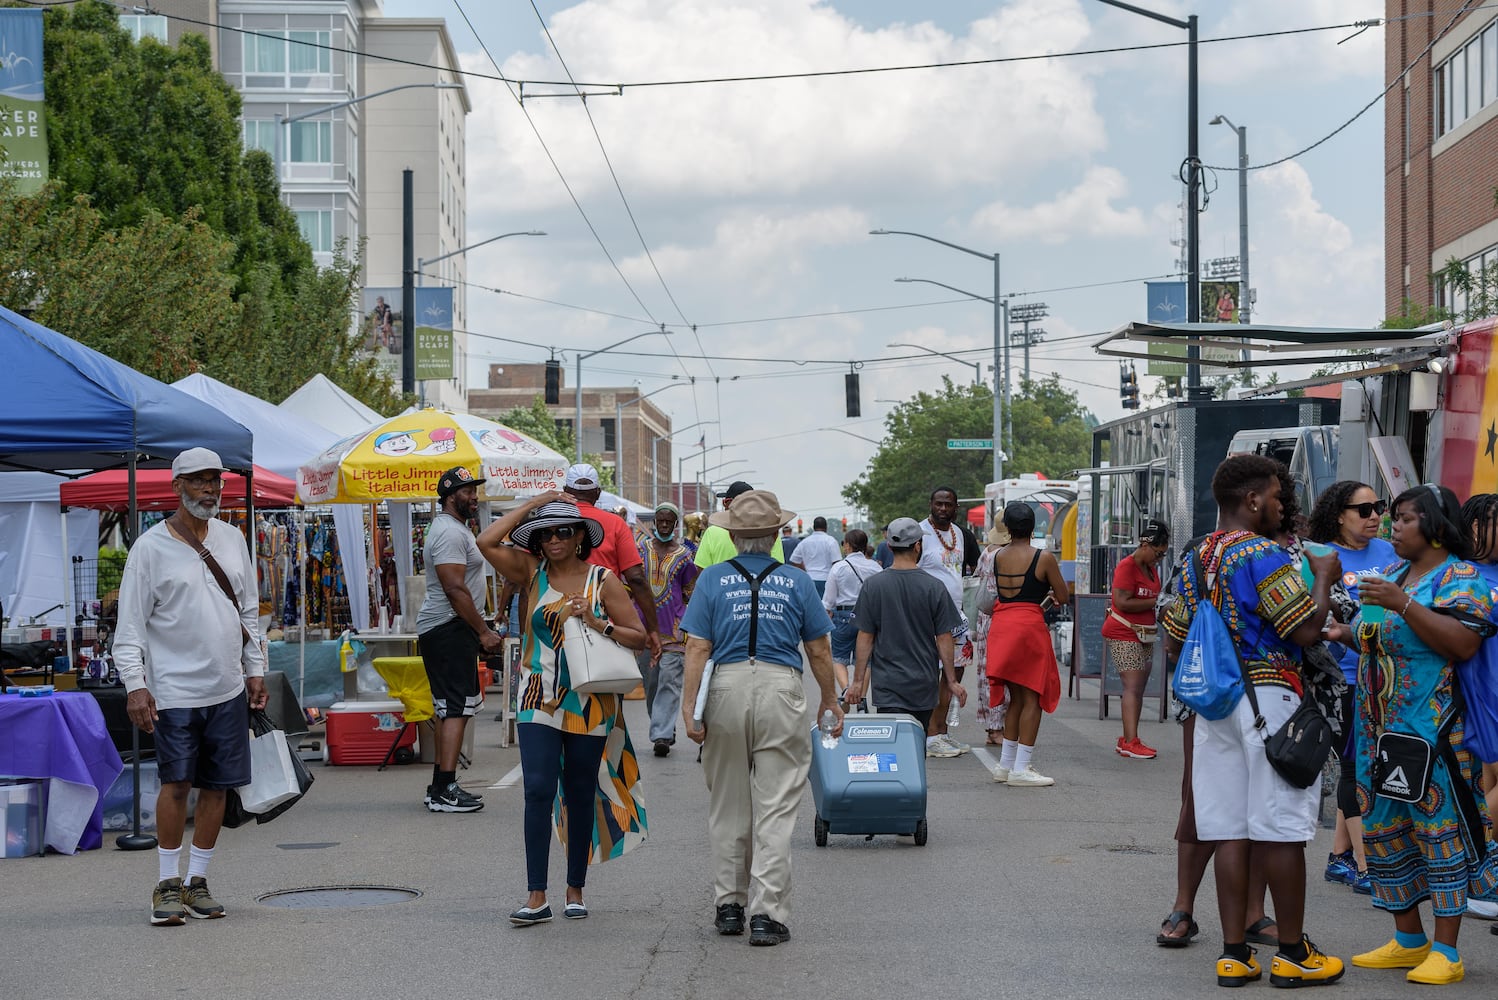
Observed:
{"x":1006,"y":754}
{"x":197,"y":862}
{"x":169,"y":862}
{"x":1022,"y":755}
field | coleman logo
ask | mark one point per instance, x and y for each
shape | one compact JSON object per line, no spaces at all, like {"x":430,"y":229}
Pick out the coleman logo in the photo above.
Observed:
{"x":870,"y":732}
{"x":1395,"y":781}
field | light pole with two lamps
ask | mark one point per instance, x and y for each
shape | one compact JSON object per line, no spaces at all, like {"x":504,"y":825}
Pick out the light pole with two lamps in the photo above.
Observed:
{"x":1000,"y":345}
{"x":1245,"y":292}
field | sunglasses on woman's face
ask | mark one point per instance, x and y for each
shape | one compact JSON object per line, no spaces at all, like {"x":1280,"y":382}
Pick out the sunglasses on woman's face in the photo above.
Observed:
{"x":1368,"y":509}
{"x":564,"y":532}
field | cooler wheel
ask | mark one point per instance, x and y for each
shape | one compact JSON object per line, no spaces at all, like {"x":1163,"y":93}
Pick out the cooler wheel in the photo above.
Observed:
{"x":327,"y":753}
{"x":819,"y":831}
{"x":920,"y":833}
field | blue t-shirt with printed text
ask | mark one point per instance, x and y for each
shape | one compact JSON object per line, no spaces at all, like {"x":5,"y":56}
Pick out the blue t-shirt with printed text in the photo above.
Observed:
{"x":790,"y":612}
{"x":1356,"y":564}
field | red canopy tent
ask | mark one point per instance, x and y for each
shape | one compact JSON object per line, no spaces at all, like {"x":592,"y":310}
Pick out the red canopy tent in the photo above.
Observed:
{"x":109,"y":490}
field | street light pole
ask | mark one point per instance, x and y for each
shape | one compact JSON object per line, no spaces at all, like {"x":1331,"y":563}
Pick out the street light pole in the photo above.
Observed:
{"x":1000,"y":347}
{"x":1245,"y":293}
{"x":619,"y":431}
{"x":422,"y":262}
{"x":977,"y":366}
{"x":654,"y":491}
{"x":577,"y":428}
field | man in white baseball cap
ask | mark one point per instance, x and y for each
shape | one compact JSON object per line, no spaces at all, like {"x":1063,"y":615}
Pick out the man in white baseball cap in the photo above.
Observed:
{"x":619,"y":553}
{"x":188,"y":651}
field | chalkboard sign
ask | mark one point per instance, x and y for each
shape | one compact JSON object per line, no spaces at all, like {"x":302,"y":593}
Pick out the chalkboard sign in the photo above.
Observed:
{"x":1088,"y":653}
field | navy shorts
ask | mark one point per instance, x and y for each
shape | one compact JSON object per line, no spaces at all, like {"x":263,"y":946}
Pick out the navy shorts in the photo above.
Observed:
{"x":209,"y":747}
{"x":844,"y":636}
{"x":450,"y":653}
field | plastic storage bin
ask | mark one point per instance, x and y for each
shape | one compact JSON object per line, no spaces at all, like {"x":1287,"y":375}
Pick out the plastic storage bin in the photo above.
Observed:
{"x":20,"y":817}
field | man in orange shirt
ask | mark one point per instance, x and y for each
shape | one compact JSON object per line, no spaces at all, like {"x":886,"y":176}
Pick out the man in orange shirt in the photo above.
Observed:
{"x":619,"y":553}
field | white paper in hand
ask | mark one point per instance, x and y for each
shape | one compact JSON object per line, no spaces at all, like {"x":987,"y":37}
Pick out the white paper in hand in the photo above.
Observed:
{"x":707,"y":676}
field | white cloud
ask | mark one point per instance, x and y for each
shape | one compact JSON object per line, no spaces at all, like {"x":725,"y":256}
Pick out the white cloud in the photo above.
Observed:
{"x":1086,"y":210}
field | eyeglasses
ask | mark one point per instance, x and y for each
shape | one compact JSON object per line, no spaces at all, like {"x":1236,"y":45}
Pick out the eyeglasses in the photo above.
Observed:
{"x":563,"y":532}
{"x":204,"y":482}
{"x":1368,"y":509}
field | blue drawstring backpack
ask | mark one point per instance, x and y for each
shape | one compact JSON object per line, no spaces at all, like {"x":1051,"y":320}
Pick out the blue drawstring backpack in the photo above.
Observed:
{"x":1209,"y":674}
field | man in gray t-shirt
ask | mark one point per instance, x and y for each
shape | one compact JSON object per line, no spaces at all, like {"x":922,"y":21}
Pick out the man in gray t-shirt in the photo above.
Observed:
{"x":905,"y":621}
{"x":451,"y":632}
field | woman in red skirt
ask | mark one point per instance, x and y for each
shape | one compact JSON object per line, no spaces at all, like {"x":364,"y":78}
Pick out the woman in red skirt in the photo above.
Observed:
{"x":1020,"y":657}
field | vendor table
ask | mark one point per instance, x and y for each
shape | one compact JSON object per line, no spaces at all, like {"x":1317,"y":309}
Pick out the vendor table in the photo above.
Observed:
{"x":61,"y":739}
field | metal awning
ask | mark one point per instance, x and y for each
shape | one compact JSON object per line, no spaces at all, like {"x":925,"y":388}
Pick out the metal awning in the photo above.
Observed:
{"x":1334,"y":378}
{"x":1158,"y":465}
{"x":1224,"y":344}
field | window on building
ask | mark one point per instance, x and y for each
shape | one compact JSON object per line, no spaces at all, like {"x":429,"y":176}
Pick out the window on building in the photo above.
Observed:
{"x":294,"y":59}
{"x":1474,"y":78}
{"x":312,"y":142}
{"x":260,"y":134}
{"x":1490,"y":64}
{"x":264,"y":53}
{"x":1467,"y":82}
{"x":144,"y":26}
{"x":317,"y":229}
{"x":307,"y":52}
{"x":610,"y":434}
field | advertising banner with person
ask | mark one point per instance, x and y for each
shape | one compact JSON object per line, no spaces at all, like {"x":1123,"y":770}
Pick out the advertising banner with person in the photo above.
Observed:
{"x":23,"y":113}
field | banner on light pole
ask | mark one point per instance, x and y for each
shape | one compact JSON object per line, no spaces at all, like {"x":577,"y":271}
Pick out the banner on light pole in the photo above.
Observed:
{"x":23,"y":112}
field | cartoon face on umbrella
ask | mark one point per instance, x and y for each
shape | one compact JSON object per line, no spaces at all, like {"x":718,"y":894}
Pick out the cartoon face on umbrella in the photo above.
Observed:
{"x":444,"y":440}
{"x":504,"y":441}
{"x":396,"y":444}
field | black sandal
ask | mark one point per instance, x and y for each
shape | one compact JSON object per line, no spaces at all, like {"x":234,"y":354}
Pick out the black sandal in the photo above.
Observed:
{"x":1255,"y":932}
{"x":1167,"y":939}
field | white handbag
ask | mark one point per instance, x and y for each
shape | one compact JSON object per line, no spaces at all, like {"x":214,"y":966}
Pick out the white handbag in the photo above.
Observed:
{"x":596,"y":664}
{"x":273,"y":779}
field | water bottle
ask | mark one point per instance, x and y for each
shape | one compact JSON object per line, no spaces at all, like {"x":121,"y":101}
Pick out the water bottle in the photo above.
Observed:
{"x":829,"y":741}
{"x":954,"y":714}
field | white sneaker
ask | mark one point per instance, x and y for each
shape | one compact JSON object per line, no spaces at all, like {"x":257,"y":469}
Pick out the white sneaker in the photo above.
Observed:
{"x":940,"y":746}
{"x":957,"y":745}
{"x":1001,"y":774}
{"x":1030,"y":778}
{"x":1482,"y":909}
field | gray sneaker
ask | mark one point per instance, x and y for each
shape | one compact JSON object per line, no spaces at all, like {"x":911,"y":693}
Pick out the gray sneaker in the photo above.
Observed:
{"x":197,"y":901}
{"x":940,"y":746}
{"x":166,"y":904}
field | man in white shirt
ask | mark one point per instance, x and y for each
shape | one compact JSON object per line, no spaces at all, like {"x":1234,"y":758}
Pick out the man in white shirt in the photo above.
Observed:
{"x":844,"y":584}
{"x":944,"y":555}
{"x":816,"y":553}
{"x":188,"y":651}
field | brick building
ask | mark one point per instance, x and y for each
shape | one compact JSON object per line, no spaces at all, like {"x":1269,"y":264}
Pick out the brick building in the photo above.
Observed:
{"x":1440,"y":144}
{"x":617,"y":425}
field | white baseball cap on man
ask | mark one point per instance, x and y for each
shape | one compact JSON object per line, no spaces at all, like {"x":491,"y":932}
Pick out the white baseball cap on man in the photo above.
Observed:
{"x":582,"y":476}
{"x":196,"y":460}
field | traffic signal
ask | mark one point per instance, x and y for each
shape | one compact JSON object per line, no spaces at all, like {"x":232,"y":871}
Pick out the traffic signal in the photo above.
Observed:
{"x":850,"y":388}
{"x":553,"y":382}
{"x":1128,"y":386}
{"x":845,"y":525}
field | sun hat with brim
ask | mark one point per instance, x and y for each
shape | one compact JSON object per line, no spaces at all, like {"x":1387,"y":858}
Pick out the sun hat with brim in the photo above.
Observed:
{"x":554,"y":515}
{"x":756,"y":512}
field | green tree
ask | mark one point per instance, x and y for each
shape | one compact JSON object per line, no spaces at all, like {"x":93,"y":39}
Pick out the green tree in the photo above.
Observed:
{"x":1051,"y":432}
{"x":539,"y":422}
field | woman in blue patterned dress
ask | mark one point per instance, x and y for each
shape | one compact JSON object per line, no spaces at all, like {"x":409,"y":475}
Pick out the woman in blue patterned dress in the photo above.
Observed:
{"x":1433,"y":849}
{"x":567,"y":739}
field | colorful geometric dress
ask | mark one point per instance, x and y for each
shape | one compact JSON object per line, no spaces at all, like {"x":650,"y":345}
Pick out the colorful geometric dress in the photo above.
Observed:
{"x":1426,"y":849}
{"x":619,"y":822}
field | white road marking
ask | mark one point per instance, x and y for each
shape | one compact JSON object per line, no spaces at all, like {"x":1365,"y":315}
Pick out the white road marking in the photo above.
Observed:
{"x":512,"y":778}
{"x":985,"y":758}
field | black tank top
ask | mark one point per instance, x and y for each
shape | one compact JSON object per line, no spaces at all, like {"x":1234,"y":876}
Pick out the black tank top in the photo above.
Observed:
{"x":1032,"y":589}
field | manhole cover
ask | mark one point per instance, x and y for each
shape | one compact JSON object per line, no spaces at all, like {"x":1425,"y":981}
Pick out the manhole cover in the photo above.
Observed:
{"x":338,"y":896}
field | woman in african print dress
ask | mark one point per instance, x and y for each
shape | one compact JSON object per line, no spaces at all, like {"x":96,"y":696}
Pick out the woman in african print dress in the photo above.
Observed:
{"x":1435,"y":848}
{"x":567,"y":739}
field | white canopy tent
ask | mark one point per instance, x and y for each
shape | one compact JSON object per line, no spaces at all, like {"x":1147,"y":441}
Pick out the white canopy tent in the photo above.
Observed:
{"x":35,"y":572}
{"x":283,"y":440}
{"x":321,"y":401}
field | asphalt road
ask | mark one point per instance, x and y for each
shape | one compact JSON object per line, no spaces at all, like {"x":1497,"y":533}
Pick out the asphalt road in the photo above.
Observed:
{"x":1035,"y":893}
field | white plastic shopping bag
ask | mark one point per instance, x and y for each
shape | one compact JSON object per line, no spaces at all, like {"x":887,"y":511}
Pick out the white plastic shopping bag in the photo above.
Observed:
{"x":272,"y":777}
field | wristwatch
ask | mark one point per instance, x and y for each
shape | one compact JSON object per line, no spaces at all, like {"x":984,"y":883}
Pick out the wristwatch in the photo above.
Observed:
{"x":608,"y":629}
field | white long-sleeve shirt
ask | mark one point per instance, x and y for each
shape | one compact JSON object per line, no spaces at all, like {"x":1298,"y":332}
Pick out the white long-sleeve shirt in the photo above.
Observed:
{"x":178,"y":633}
{"x":846,"y":580}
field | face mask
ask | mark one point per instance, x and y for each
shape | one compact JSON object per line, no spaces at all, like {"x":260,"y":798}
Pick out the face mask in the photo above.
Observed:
{"x":664,"y":538}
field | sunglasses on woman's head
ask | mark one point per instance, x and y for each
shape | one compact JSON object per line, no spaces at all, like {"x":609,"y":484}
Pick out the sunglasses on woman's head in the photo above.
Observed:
{"x":1368,"y":509}
{"x":564,"y":532}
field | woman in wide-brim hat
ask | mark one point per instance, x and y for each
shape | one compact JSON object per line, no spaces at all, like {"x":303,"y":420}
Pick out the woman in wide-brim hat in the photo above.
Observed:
{"x":569,"y":741}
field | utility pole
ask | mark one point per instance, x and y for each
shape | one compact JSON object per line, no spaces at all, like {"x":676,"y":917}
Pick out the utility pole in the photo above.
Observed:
{"x":1025,"y":314}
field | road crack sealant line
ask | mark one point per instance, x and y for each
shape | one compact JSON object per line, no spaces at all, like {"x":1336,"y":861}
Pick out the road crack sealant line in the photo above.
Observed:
{"x":654,"y":951}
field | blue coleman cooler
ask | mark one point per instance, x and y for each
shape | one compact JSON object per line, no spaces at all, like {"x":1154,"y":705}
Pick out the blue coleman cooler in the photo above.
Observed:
{"x":873,"y":781}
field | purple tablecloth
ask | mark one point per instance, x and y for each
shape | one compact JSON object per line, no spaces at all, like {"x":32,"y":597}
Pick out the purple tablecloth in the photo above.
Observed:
{"x":61,"y":738}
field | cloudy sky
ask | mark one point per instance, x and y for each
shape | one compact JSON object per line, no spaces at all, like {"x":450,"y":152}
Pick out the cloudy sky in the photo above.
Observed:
{"x":755,"y":199}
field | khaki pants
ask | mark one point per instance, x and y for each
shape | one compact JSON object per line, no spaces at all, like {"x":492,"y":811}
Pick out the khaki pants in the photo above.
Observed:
{"x":755,"y":759}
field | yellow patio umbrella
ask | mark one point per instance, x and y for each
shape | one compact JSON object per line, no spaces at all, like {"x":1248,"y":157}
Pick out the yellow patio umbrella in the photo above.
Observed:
{"x":402,"y":458}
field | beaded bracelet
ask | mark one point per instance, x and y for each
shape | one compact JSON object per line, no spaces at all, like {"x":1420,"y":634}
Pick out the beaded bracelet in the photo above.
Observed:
{"x":1407,"y":602}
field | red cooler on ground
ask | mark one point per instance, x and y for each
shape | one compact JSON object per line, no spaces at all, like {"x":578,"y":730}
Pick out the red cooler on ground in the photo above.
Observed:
{"x":360,"y":732}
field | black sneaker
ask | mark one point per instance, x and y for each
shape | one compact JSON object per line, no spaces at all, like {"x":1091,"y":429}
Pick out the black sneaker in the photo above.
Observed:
{"x":166,"y":904}
{"x":452,"y":799}
{"x":764,"y":931}
{"x":464,"y":793}
{"x":730,"y":919}
{"x":662,"y":747}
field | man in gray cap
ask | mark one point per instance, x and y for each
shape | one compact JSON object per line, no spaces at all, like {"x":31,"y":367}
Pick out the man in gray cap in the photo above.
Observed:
{"x":188,"y":651}
{"x":911,"y":615}
{"x":752,"y":615}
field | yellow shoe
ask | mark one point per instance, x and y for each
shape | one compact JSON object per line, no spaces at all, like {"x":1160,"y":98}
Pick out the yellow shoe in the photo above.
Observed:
{"x":1315,"y":969}
{"x":1392,"y":956}
{"x":1231,"y":972}
{"x":1437,"y":970}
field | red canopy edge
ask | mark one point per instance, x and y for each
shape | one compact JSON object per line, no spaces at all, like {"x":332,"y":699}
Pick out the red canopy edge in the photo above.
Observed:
{"x":110,"y":490}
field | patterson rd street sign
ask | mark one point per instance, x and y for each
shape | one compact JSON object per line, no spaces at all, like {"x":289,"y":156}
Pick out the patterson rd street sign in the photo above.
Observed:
{"x":970,"y":444}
